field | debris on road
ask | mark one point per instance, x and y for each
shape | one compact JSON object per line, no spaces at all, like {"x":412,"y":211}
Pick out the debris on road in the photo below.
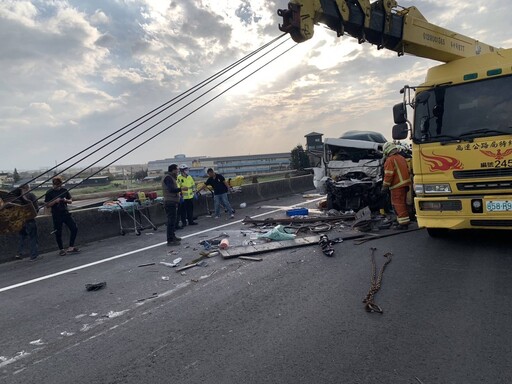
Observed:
{"x":297,"y":220}
{"x":165,"y":278}
{"x":174,"y":263}
{"x":325,"y":244}
{"x":267,"y":247}
{"x":278,"y":233}
{"x":198,"y":264}
{"x":145,"y":265}
{"x":214,"y":240}
{"x":154,"y":295}
{"x":377,"y":236}
{"x":251,"y":258}
{"x":363,"y":220}
{"x":95,"y":286}
{"x":224,"y":244}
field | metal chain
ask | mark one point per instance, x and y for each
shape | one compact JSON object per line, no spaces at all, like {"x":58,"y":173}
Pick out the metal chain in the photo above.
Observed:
{"x":376,"y":282}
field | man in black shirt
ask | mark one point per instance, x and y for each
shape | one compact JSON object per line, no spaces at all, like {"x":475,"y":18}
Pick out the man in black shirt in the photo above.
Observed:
{"x":58,"y":199}
{"x":220,"y":192}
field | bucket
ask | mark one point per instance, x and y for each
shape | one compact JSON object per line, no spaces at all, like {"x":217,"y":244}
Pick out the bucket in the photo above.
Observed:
{"x":224,"y":244}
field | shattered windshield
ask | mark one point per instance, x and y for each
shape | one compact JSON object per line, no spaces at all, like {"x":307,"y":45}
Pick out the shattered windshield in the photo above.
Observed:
{"x":464,"y":111}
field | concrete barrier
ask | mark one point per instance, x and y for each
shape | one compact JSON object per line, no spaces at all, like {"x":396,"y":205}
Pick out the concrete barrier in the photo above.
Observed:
{"x":94,"y":225}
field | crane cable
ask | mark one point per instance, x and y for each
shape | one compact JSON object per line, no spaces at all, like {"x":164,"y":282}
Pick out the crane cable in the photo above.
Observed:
{"x":176,"y":122}
{"x":180,"y":97}
{"x":167,"y":105}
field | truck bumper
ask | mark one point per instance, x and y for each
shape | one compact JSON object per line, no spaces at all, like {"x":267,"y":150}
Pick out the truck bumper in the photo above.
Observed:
{"x":464,"y":212}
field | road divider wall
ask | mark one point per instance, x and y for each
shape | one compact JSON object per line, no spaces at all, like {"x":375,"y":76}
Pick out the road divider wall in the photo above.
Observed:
{"x":94,"y":225}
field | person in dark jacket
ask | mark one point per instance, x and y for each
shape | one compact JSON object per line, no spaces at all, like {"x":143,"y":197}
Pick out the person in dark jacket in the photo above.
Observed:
{"x":29,"y":229}
{"x":171,"y":193}
{"x":58,"y":199}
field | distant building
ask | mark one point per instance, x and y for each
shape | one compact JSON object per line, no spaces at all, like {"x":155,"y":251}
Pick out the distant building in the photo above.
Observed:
{"x":314,"y":141}
{"x":314,"y":148}
{"x":6,"y":181}
{"x":42,"y":183}
{"x":228,"y":166}
{"x":89,"y":182}
{"x":126,"y":170}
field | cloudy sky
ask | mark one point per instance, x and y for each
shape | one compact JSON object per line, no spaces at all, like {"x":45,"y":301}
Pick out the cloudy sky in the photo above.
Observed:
{"x":75,"y":71}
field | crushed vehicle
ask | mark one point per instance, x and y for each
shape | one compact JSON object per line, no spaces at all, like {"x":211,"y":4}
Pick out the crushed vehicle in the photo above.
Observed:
{"x":352,"y":171}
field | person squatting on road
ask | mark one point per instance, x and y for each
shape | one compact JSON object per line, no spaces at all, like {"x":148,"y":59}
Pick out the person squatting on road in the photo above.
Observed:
{"x":187,"y":206}
{"x":171,"y":193}
{"x":58,"y":199}
{"x":220,"y":192}
{"x":29,"y":229}
{"x":398,"y":180}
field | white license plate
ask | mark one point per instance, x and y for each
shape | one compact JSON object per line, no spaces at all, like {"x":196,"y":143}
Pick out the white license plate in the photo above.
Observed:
{"x":498,"y":205}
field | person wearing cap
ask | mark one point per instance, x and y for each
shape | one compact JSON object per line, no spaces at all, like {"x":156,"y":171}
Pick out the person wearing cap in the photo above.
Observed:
{"x":397,"y":180}
{"x":187,"y":206}
{"x":171,"y":192}
{"x":58,"y":199}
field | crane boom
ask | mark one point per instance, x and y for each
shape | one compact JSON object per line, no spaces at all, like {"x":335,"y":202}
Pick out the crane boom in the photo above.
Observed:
{"x":381,"y":23}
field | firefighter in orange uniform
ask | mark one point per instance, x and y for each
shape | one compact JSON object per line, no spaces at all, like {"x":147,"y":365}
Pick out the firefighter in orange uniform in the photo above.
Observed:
{"x":398,"y":180}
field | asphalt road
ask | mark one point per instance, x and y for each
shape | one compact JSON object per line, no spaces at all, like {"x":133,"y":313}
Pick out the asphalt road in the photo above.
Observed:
{"x":295,"y":317}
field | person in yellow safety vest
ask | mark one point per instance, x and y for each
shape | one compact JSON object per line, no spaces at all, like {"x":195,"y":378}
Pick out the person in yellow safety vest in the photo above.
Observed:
{"x":397,"y":180}
{"x":186,"y":213}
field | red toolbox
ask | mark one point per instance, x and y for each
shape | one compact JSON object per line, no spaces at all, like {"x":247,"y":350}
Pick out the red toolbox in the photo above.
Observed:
{"x":130,"y":196}
{"x":151,"y":195}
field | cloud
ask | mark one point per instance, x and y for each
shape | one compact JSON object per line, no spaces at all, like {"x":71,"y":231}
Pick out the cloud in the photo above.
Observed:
{"x":74,"y":71}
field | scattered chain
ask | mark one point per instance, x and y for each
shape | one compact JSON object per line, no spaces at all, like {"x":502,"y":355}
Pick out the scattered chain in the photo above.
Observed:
{"x":376,"y":282}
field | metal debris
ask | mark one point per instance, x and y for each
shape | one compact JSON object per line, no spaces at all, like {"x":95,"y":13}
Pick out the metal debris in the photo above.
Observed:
{"x":95,"y":286}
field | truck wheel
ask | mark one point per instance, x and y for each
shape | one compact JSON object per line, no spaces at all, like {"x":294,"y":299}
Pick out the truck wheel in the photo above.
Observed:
{"x":437,"y":232}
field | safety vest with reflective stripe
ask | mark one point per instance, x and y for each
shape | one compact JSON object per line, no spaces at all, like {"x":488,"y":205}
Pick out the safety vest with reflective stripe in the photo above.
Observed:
{"x":396,"y":172}
{"x":187,"y":181}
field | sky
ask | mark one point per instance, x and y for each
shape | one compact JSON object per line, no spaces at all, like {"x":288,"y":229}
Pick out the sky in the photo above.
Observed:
{"x":74,"y":72}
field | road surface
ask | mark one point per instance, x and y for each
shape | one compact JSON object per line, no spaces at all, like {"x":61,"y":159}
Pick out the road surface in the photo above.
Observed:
{"x":295,"y":317}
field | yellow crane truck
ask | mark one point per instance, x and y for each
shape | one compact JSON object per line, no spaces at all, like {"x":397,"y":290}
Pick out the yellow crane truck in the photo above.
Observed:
{"x":461,"y":130}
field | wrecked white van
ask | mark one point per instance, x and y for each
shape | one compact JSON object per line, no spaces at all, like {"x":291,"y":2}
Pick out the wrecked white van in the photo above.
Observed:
{"x":352,"y":171}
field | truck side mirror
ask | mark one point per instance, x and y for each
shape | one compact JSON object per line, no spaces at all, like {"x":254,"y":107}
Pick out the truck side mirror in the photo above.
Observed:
{"x":400,"y":131}
{"x":399,"y":113}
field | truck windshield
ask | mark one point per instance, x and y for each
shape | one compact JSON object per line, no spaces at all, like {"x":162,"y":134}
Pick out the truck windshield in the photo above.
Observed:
{"x":464,"y":111}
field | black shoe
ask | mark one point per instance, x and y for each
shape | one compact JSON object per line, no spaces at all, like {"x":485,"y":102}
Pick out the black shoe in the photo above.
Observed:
{"x":192,"y":223}
{"x":178,"y":227}
{"x":177,"y":238}
{"x":173,"y":243}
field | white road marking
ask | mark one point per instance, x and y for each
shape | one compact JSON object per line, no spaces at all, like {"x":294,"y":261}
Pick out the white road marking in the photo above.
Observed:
{"x":8,"y":288}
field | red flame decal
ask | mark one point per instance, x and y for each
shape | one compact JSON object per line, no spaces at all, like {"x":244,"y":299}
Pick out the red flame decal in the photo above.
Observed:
{"x":441,"y":163}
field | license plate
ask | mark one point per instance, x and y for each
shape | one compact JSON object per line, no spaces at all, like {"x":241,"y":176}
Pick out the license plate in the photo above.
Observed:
{"x":498,"y":205}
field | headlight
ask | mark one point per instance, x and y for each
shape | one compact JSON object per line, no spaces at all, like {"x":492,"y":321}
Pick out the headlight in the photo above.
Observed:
{"x":437,"y":188}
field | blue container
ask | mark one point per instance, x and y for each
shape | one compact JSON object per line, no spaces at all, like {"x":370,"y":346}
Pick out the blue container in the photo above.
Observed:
{"x":297,"y":212}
